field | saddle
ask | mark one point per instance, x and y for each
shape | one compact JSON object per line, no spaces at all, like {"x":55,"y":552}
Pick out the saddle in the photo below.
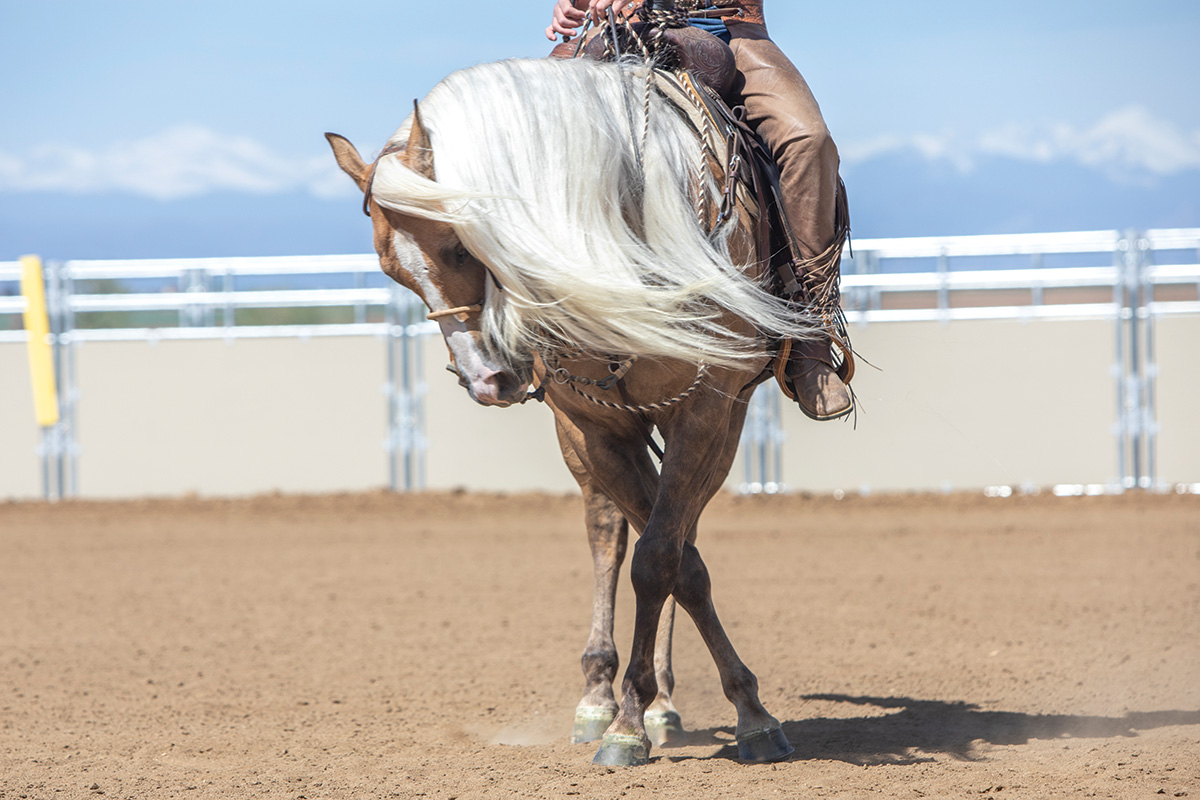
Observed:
{"x":695,"y":71}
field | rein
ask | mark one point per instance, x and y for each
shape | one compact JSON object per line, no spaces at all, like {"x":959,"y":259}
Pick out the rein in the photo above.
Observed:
{"x":618,"y":370}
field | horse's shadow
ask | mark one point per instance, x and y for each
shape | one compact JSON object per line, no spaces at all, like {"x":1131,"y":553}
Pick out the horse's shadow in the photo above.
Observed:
{"x":918,"y":730}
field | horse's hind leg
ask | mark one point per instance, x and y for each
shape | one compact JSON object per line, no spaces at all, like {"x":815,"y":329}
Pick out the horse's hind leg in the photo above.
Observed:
{"x":664,"y":726}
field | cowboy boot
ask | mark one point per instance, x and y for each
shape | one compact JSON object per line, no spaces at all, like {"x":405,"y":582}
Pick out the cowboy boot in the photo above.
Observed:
{"x":819,"y":381}
{"x":819,"y":389}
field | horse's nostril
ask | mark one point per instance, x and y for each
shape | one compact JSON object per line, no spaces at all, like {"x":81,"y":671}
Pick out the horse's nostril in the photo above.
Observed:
{"x":504,"y":382}
{"x":508,"y":386}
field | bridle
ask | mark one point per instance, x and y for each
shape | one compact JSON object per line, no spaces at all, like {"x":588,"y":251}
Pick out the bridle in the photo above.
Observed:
{"x":460,"y":312}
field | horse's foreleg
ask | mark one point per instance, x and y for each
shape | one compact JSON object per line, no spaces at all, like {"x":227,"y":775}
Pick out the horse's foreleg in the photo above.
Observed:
{"x":666,"y":562}
{"x":608,"y":537}
{"x":608,"y":534}
{"x":759,"y":735}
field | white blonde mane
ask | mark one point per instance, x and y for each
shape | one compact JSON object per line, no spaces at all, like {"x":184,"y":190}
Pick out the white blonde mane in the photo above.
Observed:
{"x":538,"y":169}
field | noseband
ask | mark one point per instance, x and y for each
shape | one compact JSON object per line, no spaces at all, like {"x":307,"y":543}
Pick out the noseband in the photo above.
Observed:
{"x":460,"y":312}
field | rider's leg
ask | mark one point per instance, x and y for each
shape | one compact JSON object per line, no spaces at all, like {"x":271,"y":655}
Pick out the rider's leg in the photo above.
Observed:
{"x":783,"y":111}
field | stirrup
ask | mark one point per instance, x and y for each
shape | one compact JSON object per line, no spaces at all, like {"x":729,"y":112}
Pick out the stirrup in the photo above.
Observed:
{"x":844,"y":370}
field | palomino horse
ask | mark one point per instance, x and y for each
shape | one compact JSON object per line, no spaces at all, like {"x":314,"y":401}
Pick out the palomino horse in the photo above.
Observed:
{"x":559,"y":219}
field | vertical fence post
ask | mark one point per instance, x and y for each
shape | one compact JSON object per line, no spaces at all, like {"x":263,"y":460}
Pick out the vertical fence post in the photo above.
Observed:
{"x":405,"y":390}
{"x":943,"y":292}
{"x":391,"y":389}
{"x":68,"y":374}
{"x":405,"y":423}
{"x":762,"y":444}
{"x":1135,"y":369}
{"x":1121,"y":426}
{"x":1148,"y":376}
{"x":419,"y":389}
{"x":55,"y":302}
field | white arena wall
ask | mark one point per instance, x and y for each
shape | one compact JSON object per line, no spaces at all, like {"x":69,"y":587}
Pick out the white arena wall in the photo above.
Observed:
{"x":959,"y":405}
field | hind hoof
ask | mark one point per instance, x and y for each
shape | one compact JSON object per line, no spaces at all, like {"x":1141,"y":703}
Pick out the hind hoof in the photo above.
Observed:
{"x":591,"y":722}
{"x":665,"y":729}
{"x":762,"y":747}
{"x":622,"y":750}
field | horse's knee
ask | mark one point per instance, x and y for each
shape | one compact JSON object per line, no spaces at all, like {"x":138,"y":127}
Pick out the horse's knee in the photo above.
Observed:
{"x":654,"y":568}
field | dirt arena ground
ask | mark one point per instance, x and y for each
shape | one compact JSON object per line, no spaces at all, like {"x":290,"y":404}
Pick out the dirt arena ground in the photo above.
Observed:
{"x":377,"y":646}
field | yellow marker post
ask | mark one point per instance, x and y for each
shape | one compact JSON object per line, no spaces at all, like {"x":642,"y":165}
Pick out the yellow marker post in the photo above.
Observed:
{"x":41,"y":357}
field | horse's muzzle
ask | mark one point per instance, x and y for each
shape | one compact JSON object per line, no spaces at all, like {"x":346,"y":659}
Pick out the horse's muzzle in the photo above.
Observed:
{"x":500,"y":388}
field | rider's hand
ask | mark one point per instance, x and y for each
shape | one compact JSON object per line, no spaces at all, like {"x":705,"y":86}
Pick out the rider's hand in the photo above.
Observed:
{"x":570,"y":15}
{"x":566,"y":19}
{"x":598,"y":8}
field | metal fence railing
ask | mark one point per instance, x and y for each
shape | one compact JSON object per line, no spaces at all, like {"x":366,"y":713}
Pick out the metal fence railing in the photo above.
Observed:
{"x":1129,"y":277}
{"x":230,"y":299}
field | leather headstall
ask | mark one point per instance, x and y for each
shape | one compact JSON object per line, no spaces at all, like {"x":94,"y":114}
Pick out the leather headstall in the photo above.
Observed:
{"x":395,"y":147}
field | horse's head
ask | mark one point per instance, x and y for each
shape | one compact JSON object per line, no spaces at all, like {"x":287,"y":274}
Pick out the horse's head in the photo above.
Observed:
{"x":428,"y":257}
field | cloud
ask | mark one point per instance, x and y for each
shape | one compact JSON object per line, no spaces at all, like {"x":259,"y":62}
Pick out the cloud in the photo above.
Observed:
{"x":1128,"y":141}
{"x":182,"y":161}
{"x":191,"y":160}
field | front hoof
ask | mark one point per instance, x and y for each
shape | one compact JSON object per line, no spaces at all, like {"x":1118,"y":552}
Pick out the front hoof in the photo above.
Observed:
{"x":622,"y":750}
{"x":665,"y":729}
{"x":762,"y":747}
{"x":591,"y":722}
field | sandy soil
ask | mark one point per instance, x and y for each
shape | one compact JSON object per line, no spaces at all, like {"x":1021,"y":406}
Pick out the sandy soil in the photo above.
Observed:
{"x":378,"y":646}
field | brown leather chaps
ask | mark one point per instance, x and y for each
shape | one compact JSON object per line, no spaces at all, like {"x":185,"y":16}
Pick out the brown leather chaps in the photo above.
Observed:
{"x":782,"y":109}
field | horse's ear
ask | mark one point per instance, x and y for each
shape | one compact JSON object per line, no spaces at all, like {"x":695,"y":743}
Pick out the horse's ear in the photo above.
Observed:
{"x":348,"y":159}
{"x":419,"y":151}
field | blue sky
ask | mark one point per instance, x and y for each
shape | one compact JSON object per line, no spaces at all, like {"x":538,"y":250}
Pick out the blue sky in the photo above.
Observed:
{"x":166,"y":102}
